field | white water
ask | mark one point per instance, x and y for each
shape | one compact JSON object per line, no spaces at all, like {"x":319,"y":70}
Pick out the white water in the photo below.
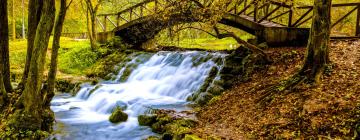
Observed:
{"x":165,"y":80}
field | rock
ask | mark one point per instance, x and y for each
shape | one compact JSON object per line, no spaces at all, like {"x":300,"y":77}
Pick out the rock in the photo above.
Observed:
{"x":203,"y":98}
{"x":118,"y":116}
{"x":263,"y":45}
{"x":215,"y":89}
{"x":153,"y":138}
{"x":146,"y":120}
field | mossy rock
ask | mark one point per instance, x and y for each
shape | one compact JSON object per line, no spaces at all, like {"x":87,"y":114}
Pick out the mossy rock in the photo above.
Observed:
{"x":118,"y":116}
{"x":146,"y":120}
{"x":203,"y":98}
{"x":153,"y":138}
{"x":215,"y":90}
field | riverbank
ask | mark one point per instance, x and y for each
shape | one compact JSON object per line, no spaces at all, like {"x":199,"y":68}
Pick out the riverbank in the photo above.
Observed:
{"x":330,"y":110}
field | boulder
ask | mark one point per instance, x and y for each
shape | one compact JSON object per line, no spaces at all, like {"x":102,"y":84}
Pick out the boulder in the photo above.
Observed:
{"x":146,"y":120}
{"x":118,"y":116}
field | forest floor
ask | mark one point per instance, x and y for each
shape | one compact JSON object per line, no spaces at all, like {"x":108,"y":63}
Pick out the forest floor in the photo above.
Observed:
{"x":329,"y":110}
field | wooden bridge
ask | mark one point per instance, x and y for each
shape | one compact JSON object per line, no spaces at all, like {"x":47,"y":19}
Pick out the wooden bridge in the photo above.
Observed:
{"x":273,"y":22}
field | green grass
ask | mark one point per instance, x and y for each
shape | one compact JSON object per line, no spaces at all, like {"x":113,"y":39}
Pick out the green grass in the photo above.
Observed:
{"x":74,"y":56}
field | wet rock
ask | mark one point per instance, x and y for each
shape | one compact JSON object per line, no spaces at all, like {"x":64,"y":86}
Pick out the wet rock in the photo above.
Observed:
{"x":118,"y":116}
{"x":172,"y":125}
{"x":215,"y":89}
{"x":153,"y":138}
{"x":203,"y":98}
{"x":146,"y":120}
{"x":65,"y":85}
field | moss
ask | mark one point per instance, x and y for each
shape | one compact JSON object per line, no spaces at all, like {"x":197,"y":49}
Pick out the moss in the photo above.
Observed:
{"x":191,"y":137}
{"x":106,"y":65}
{"x":214,"y":100}
{"x":146,"y":120}
{"x":118,"y":116}
{"x":153,"y":138}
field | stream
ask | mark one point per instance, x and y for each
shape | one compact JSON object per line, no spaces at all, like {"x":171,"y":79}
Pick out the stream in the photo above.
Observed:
{"x":162,"y":80}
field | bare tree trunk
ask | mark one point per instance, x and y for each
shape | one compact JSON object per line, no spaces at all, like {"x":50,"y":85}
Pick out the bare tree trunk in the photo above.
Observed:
{"x":35,"y":7}
{"x":92,"y":11}
{"x":54,"y":54}
{"x":4,"y":42}
{"x":317,"y":54}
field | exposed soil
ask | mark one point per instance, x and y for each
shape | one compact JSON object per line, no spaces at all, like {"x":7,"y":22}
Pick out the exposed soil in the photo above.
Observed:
{"x":328,"y":110}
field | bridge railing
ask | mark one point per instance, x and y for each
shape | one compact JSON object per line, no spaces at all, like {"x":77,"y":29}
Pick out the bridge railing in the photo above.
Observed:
{"x":259,"y":11}
{"x":142,"y":9}
{"x":284,"y":14}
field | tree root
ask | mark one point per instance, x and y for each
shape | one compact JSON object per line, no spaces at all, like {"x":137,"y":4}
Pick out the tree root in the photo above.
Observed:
{"x":268,"y":93}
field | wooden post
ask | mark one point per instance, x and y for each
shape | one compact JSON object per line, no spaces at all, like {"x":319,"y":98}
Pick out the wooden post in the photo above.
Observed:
{"x":105,"y":23}
{"x":131,"y":10}
{"x":118,"y":20}
{"x":235,"y":11}
{"x":358,"y":21}
{"x":245,"y":4}
{"x":141,"y":11}
{"x":156,"y":3}
{"x":290,"y":14}
{"x":255,"y":10}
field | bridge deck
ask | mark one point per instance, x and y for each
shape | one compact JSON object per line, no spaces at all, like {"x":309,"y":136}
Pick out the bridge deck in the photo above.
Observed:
{"x":264,"y":23}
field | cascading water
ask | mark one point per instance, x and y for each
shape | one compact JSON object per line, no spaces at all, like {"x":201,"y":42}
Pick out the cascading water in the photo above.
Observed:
{"x":162,"y":81}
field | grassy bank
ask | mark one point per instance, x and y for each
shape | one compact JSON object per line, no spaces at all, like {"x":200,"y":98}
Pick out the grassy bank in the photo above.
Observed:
{"x":75,"y":56}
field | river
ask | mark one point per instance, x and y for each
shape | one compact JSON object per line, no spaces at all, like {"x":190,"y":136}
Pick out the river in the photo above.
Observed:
{"x":162,"y":80}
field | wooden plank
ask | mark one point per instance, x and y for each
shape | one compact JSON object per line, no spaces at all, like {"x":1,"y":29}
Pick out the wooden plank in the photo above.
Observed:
{"x":282,"y":4}
{"x":111,"y":21}
{"x":123,"y":18}
{"x":342,"y":18}
{"x":358,"y":21}
{"x":128,"y":9}
{"x":105,"y":23}
{"x":302,"y":17}
{"x":290,"y":14}
{"x":100,"y":24}
{"x":118,"y":20}
{"x":269,"y":14}
{"x":245,"y":8}
{"x":333,"y":5}
{"x":304,"y":21}
{"x":279,"y":15}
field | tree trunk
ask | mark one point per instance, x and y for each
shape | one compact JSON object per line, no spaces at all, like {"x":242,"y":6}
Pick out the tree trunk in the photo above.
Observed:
{"x":4,"y":46}
{"x":35,"y":7}
{"x":13,"y":21}
{"x":91,"y":11}
{"x":23,"y":19}
{"x":54,"y":54}
{"x":4,"y":43}
{"x":33,"y":115}
{"x":317,"y":54}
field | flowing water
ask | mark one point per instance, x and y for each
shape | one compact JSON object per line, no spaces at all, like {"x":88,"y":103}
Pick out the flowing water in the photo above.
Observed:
{"x":158,"y":81}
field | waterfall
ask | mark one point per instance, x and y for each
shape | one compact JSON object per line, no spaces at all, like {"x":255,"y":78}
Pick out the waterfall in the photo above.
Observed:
{"x":163,"y":80}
